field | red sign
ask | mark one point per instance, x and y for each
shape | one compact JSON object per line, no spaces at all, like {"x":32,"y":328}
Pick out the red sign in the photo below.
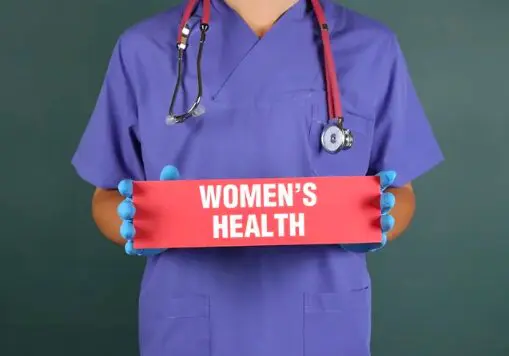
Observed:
{"x":257,"y":212}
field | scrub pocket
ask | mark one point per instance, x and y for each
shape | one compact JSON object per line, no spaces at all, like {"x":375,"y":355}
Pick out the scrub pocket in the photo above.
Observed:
{"x":180,"y":328}
{"x":337,"y":324}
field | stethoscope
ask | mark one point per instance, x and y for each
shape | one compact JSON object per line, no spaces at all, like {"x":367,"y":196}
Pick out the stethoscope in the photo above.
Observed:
{"x":334,"y":137}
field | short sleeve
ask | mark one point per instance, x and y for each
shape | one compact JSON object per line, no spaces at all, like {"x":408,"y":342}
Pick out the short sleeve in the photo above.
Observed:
{"x":109,"y":150}
{"x":403,"y":138}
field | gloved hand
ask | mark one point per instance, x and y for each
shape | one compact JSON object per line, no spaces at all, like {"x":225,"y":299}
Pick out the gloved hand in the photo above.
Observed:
{"x":387,"y":201}
{"x":126,"y":210}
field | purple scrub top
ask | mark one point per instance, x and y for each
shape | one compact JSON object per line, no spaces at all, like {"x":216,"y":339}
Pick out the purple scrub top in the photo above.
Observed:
{"x":265,"y":107}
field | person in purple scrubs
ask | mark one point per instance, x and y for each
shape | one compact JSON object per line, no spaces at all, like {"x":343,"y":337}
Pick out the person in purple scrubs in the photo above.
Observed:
{"x":263,"y":109}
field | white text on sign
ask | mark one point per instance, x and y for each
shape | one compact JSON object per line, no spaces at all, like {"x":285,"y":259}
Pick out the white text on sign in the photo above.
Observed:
{"x":262,"y":196}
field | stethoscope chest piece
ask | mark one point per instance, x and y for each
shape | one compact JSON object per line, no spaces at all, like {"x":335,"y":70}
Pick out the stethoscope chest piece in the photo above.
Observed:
{"x":335,"y":138}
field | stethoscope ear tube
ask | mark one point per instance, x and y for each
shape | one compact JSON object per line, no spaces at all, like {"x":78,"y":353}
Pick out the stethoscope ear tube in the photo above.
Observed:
{"x":334,"y":137}
{"x":195,"y":109}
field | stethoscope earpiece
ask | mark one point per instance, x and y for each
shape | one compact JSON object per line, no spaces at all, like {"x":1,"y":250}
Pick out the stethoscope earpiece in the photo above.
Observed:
{"x":171,"y":120}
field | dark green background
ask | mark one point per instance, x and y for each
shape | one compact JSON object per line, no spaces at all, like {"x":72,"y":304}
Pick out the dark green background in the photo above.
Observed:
{"x":442,"y":290}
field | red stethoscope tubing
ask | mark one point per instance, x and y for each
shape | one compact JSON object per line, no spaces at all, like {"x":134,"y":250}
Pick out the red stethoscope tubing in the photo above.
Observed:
{"x":332,"y":87}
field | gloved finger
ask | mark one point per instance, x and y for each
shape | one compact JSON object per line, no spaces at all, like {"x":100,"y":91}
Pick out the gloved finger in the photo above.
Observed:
{"x":125,"y":188}
{"x":130,"y":250}
{"x":387,"y":223}
{"x":387,"y":178}
{"x":127,"y":230}
{"x":379,"y":246}
{"x":169,"y":173}
{"x":387,"y":202}
{"x":126,"y":210}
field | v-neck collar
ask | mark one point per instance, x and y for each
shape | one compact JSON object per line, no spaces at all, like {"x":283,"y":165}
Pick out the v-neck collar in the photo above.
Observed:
{"x":238,"y":65}
{"x":221,"y":9}
{"x":298,"y":11}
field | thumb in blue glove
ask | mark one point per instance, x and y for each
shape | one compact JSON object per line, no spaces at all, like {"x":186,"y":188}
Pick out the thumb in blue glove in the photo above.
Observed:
{"x":126,"y":211}
{"x":387,"y":202}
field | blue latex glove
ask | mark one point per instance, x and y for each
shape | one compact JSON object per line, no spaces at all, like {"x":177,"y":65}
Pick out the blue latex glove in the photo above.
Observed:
{"x":387,"y":201}
{"x":126,"y":210}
